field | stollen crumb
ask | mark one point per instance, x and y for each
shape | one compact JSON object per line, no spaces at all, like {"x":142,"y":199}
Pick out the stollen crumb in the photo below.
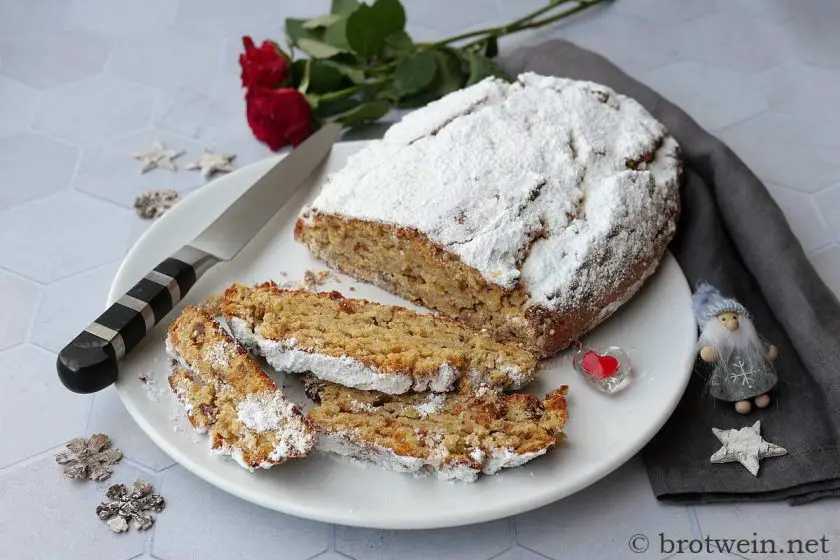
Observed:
{"x":313,"y":279}
{"x":153,"y":392}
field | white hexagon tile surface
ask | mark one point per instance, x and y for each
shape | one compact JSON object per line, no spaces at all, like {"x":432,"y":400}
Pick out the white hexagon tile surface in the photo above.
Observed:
{"x":221,"y":18}
{"x":474,"y":542}
{"x":39,"y":412}
{"x":46,"y":58}
{"x":208,"y":523}
{"x":121,"y":18}
{"x":18,"y":299}
{"x":84,"y":83}
{"x":17,"y":103}
{"x":32,"y":166}
{"x":97,"y":108}
{"x":62,"y":235}
{"x":167,"y":58}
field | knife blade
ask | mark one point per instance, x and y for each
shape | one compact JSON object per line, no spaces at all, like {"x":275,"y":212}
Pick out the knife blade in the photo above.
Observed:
{"x":89,"y":363}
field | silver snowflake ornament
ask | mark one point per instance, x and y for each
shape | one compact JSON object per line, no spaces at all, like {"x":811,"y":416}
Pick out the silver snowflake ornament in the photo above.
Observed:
{"x":153,"y":204}
{"x":89,"y":458}
{"x":746,"y":446}
{"x":131,"y":506}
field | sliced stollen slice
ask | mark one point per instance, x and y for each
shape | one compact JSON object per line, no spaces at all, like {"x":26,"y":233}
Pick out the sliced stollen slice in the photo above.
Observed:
{"x":366,"y":345}
{"x":455,"y":435}
{"x":228,"y":395}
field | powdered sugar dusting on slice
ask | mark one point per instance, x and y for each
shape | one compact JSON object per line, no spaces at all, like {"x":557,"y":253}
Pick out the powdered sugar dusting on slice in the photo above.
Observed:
{"x":218,"y":355}
{"x":558,"y":185}
{"x":272,"y":412}
{"x":506,"y":458}
{"x":346,"y":443}
{"x":477,"y":455}
{"x":433,"y":404}
{"x":359,"y":406}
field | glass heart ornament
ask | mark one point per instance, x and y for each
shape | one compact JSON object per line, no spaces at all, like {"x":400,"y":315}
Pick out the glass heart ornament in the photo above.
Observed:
{"x":605,"y":368}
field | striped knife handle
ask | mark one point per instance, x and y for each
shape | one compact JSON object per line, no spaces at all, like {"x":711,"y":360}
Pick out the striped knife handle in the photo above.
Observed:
{"x":89,"y":362}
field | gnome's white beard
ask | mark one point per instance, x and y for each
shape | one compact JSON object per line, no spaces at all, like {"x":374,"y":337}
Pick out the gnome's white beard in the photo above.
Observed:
{"x":744,"y":340}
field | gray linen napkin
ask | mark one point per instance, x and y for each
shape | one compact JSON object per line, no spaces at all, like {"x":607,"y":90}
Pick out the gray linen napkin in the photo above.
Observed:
{"x":733,"y":235}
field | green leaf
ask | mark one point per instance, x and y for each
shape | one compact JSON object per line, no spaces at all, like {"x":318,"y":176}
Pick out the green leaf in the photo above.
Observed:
{"x":363,"y":112}
{"x":324,"y":20}
{"x":317,"y":49}
{"x":336,"y":35}
{"x":344,"y":7}
{"x":390,"y":15}
{"x":396,"y":43}
{"x":355,"y":75}
{"x":363,"y":34}
{"x":298,"y":71}
{"x":368,"y":26}
{"x":482,"y":67}
{"x":415,"y":73}
{"x":295,"y":30}
{"x":323,"y":77}
{"x":309,"y":41}
{"x":452,"y":76}
{"x":329,"y":108}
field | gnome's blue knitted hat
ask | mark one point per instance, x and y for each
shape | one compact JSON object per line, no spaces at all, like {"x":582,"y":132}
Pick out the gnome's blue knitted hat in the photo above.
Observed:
{"x":708,"y":303}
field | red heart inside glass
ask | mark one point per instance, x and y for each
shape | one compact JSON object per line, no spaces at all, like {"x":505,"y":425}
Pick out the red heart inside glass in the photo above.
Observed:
{"x":604,"y":368}
{"x":599,"y":366}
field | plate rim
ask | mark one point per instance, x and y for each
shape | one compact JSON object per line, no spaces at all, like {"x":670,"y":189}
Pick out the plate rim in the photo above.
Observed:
{"x":337,"y":516}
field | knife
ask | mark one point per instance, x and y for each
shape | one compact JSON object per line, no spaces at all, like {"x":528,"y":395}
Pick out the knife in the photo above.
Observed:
{"x":89,"y":362}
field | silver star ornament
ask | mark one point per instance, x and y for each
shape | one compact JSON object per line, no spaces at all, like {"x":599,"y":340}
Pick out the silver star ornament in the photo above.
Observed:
{"x":746,"y":446}
{"x":157,"y":157}
{"x":210,"y":163}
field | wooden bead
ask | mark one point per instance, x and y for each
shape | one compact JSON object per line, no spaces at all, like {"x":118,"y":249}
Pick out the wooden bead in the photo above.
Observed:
{"x":707,"y":354}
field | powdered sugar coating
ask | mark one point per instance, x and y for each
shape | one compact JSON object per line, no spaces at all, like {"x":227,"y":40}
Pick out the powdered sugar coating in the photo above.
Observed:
{"x":542,"y":183}
{"x":432,"y":405}
{"x":272,"y":412}
{"x":339,"y":444}
{"x":346,"y":444}
{"x":287,"y":356}
{"x":506,"y":458}
{"x":218,"y":354}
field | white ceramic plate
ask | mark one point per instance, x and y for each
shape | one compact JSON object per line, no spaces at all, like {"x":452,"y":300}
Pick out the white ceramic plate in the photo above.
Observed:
{"x":655,"y":328}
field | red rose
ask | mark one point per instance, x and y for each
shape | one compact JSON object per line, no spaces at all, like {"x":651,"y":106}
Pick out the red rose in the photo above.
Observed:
{"x":263,"y":66}
{"x":278,"y":116}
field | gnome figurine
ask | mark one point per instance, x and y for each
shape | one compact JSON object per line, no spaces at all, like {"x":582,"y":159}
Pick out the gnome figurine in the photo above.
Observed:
{"x":743,"y":363}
